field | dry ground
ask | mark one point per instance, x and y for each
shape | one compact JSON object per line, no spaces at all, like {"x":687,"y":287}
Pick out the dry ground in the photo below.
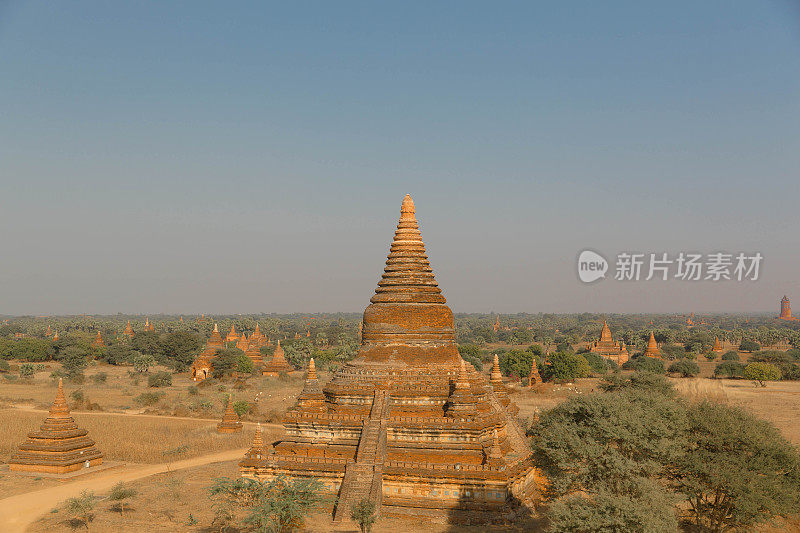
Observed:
{"x":269,"y":397}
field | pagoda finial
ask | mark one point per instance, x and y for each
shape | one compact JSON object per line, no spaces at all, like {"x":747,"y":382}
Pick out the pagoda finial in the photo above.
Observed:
{"x":496,"y":375}
{"x":59,"y":409}
{"x":312,"y":370}
{"x":461,"y":381}
{"x":258,"y":441}
{"x":216,"y":328}
{"x":407,"y":210}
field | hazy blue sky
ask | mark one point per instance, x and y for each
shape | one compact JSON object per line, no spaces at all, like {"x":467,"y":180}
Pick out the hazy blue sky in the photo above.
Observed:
{"x":246,"y":157}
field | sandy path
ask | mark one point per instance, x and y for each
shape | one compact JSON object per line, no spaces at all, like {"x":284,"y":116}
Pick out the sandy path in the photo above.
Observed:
{"x":17,"y":512}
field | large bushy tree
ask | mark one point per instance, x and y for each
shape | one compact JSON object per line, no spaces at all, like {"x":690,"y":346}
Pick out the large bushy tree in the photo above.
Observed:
{"x":738,"y":470}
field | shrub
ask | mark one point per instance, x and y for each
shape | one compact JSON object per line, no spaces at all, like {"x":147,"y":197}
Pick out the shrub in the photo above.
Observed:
{"x":645,"y":381}
{"x":4,"y":366}
{"x":160,"y":379}
{"x":121,"y":492}
{"x":363,"y":514}
{"x":565,"y":366}
{"x":729,"y":369}
{"x":648,"y":364}
{"x":241,"y":407}
{"x":81,"y":507}
{"x":99,"y":378}
{"x":749,"y":345}
{"x":77,"y":395}
{"x":27,"y":370}
{"x":710,"y":355}
{"x":598,"y":363}
{"x":149,"y":398}
{"x":790,"y":371}
{"x":685,"y":368}
{"x":192,"y":390}
{"x":760,"y":372}
{"x":143,"y":362}
{"x":732,"y":355}
{"x":771,"y":357}
{"x":673,"y":351}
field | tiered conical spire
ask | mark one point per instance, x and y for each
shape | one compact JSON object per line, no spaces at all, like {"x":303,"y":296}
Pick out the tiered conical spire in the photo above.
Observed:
{"x":605,"y":334}
{"x":59,"y":446}
{"x":408,"y":322}
{"x":717,"y":345}
{"x":59,"y":408}
{"x":408,"y":276}
{"x":98,"y":341}
{"x":128,"y":330}
{"x":230,"y":420}
{"x":462,"y":403}
{"x":496,"y":376}
{"x":278,"y":363}
{"x":534,"y":377}
{"x":311,"y":375}
{"x":216,"y":338}
{"x":652,"y":347}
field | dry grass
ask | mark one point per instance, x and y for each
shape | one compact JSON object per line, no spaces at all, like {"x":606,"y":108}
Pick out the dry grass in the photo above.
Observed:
{"x":269,"y":397}
{"x":131,"y":438}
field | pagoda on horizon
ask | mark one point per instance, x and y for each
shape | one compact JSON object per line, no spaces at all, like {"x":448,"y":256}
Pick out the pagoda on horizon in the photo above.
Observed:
{"x":652,"y":347}
{"x":786,"y":309}
{"x":204,"y":363}
{"x":606,"y":347}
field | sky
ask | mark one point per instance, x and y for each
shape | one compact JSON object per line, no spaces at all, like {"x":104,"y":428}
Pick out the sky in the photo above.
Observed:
{"x":247,"y":157}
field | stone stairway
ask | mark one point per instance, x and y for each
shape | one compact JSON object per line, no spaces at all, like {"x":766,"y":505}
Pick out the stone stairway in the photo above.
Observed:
{"x":363,"y":478}
{"x":519,"y":442}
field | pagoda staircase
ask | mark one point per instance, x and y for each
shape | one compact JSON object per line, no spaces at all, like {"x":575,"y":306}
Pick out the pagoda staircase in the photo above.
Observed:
{"x":363,"y":478}
{"x":519,"y":442}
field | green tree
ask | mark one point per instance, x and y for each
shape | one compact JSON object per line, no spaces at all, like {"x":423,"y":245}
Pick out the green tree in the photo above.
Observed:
{"x":603,"y":455}
{"x":179,"y":349}
{"x":73,"y":360}
{"x":648,"y":364}
{"x":241,"y":407}
{"x":749,"y":345}
{"x":729,"y":369}
{"x":731,"y":355}
{"x":81,"y":507}
{"x":27,"y":370}
{"x":762,"y":372}
{"x":363,"y":514}
{"x":119,"y":493}
{"x":685,"y":368}
{"x":279,"y":505}
{"x":160,"y":379}
{"x":565,"y":366}
{"x":142,"y":362}
{"x":738,"y":471}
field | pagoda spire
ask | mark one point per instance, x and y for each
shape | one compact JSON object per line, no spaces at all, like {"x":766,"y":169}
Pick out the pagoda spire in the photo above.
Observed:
{"x":311,"y":374}
{"x":59,"y":409}
{"x":408,"y":276}
{"x":605,"y":334}
{"x":496,"y":376}
{"x":652,"y":347}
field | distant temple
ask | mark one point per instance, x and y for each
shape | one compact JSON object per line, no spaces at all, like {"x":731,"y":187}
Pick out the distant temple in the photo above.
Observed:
{"x":98,"y":341}
{"x":277,"y":364}
{"x":128,"y":330}
{"x":406,"y":424}
{"x":59,"y":446}
{"x":717,"y":345}
{"x":55,"y":337}
{"x":496,"y":325}
{"x":609,"y":349}
{"x":148,"y":326}
{"x":534,"y":377}
{"x":232,"y":335}
{"x":652,"y":347}
{"x":204,"y":363}
{"x":786,"y":310}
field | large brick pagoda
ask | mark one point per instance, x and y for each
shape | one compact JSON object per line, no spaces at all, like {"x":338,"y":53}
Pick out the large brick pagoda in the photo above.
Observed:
{"x":406,"y":423}
{"x":609,"y":349}
{"x":59,"y":446}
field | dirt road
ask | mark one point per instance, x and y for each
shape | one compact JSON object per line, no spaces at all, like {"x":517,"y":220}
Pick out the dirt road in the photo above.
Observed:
{"x":17,"y":512}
